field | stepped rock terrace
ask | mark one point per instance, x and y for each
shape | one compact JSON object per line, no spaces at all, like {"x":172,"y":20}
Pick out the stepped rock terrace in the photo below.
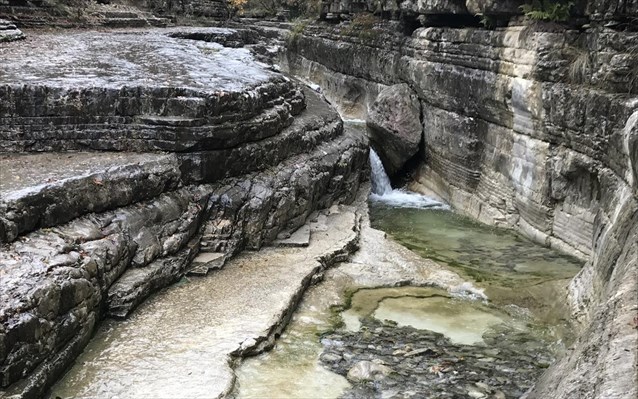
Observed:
{"x":124,"y":155}
{"x":139,"y":91}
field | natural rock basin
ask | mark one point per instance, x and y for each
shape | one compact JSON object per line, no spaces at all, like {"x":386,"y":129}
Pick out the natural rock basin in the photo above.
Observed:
{"x":442,"y":315}
{"x":463,"y":322}
{"x":511,"y":269}
{"x":497,"y":347}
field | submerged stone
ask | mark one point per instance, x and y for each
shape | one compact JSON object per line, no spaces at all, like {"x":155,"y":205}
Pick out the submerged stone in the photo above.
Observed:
{"x":447,"y":370}
{"x":460,"y":321}
{"x":367,"y":371}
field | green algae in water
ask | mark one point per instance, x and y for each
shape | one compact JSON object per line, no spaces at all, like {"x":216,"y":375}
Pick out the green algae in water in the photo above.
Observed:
{"x":462,"y":321}
{"x":481,"y":252}
{"x":518,"y":275}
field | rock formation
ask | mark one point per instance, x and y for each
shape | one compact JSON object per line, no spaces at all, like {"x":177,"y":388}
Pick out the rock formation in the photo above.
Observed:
{"x":524,"y":127}
{"x":240,"y":154}
{"x":527,"y":126}
{"x":78,"y":13}
{"x":9,"y":32}
{"x":394,"y":120}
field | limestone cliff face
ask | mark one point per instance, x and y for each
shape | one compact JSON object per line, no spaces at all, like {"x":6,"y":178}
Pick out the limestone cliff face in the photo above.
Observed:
{"x":528,"y":129}
{"x":594,"y":9}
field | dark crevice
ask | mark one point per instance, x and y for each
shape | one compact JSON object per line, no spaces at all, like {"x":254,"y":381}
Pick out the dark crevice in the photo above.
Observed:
{"x":450,"y":21}
{"x":406,"y":174}
{"x":409,"y":23}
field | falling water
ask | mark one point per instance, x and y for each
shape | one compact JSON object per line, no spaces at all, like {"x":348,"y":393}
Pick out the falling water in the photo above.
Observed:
{"x":382,"y":190}
{"x":380,"y":180}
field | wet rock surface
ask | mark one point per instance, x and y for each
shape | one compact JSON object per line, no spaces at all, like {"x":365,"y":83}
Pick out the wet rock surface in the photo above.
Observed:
{"x":46,"y":190}
{"x":57,"y":283}
{"x":235,"y":312}
{"x":418,"y":363}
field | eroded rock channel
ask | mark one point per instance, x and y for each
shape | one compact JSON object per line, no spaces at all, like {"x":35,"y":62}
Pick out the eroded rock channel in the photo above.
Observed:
{"x":92,"y":234}
{"x":393,"y":324}
{"x":180,"y":218}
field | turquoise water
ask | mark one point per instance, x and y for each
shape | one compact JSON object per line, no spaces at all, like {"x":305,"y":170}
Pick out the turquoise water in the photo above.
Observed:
{"x":516,"y":273}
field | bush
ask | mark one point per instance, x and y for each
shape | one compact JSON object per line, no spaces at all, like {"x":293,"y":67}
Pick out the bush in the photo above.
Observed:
{"x":363,"y":26}
{"x":296,"y":8}
{"x":297,"y":30}
{"x":235,"y":7}
{"x":548,"y":10}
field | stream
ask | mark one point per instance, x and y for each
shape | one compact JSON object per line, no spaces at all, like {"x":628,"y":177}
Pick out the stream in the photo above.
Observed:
{"x":491,"y":337}
{"x":431,"y":305}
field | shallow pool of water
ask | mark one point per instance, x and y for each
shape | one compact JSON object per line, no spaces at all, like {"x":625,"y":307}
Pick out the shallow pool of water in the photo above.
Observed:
{"x":291,"y":369}
{"x":462,"y":321}
{"x":511,"y":268}
{"x":524,"y":282}
{"x":482,"y":252}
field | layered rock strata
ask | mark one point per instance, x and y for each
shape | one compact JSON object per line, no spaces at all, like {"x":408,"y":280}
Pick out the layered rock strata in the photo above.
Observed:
{"x":144,"y":91}
{"x":91,"y":234}
{"x":425,"y":10}
{"x":525,"y":128}
{"x":9,"y":32}
{"x":237,"y":312}
{"x":79,"y":13}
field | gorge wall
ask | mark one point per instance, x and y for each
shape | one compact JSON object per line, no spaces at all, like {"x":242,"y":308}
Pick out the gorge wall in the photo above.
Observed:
{"x":525,"y":126}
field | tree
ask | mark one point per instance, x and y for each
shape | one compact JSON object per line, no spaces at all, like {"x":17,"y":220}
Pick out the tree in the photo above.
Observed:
{"x":235,"y":7}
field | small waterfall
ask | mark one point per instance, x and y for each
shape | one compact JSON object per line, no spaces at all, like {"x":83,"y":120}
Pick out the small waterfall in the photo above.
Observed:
{"x":378,"y":177}
{"x":382,"y":190}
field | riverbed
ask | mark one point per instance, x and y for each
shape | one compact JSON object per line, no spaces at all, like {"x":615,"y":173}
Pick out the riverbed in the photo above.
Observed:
{"x":506,"y":322}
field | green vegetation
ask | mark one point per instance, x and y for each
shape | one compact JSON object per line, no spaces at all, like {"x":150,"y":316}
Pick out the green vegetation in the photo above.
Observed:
{"x":363,"y":26}
{"x":293,"y":8}
{"x":548,"y":10}
{"x":488,"y":21}
{"x":297,"y":29}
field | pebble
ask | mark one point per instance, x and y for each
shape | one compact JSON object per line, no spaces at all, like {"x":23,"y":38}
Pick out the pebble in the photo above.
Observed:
{"x":426,"y":364}
{"x":419,"y":352}
{"x":368,"y":371}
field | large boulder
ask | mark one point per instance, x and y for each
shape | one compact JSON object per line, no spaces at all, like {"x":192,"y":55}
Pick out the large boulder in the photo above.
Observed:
{"x":395,"y":126}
